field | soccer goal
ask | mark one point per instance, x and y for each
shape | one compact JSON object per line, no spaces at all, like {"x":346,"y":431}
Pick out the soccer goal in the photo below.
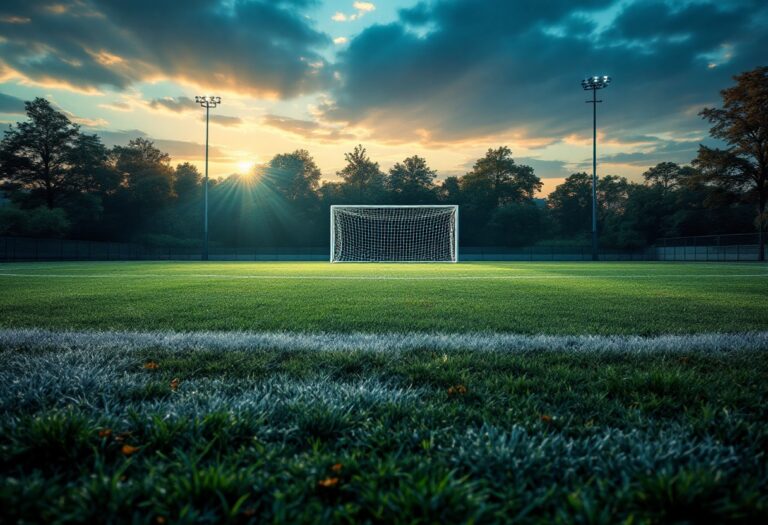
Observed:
{"x":395,"y":233}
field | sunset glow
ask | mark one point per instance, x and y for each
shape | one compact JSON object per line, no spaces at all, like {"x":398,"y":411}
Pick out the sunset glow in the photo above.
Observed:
{"x":323,"y":93}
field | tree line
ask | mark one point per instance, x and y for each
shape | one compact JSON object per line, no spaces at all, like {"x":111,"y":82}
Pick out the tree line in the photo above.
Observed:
{"x":59,"y":181}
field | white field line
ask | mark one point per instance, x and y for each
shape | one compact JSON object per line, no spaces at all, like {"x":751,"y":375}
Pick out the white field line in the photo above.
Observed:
{"x":119,"y":341}
{"x":376,"y":277}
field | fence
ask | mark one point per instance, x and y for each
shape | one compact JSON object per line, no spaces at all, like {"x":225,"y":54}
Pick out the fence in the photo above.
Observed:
{"x":739,"y":247}
{"x":28,"y":249}
{"x":732,"y":247}
{"x":550,"y":253}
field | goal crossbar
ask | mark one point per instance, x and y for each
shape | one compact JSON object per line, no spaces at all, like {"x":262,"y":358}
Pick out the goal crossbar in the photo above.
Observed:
{"x":394,"y":233}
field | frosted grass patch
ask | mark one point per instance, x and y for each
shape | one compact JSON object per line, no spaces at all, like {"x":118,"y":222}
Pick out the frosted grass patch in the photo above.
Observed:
{"x":521,"y":456}
{"x":105,"y":383}
{"x":123,"y":341}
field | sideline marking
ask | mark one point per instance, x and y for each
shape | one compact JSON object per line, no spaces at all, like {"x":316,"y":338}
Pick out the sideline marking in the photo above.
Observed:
{"x":25,"y":338}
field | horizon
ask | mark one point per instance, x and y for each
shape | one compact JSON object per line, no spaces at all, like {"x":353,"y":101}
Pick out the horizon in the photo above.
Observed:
{"x":445,"y":80}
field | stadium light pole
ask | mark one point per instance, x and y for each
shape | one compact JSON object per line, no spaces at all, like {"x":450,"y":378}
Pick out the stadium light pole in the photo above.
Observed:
{"x":593,"y":84}
{"x":207,"y":102}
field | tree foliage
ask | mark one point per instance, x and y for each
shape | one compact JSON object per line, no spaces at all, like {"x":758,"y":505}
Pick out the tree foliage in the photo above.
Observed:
{"x":412,"y":182}
{"x":38,"y":153}
{"x":496,"y":180}
{"x":363,"y":179}
{"x":294,"y":175}
{"x":742,"y":124}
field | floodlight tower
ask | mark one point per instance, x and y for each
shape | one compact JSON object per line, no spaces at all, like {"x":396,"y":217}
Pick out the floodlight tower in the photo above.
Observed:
{"x":593,"y":84}
{"x":207,"y":102}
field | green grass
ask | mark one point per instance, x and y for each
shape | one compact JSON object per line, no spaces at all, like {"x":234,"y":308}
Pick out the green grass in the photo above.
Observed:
{"x":552,"y":298}
{"x":259,"y":434}
{"x":250,"y":437}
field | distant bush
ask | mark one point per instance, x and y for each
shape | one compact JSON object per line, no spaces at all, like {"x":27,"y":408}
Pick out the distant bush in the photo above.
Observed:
{"x":37,"y":222}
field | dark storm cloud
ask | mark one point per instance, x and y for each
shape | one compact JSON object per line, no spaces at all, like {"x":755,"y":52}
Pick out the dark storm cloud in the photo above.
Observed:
{"x":256,"y":46}
{"x":486,"y":67}
{"x":11,"y":104}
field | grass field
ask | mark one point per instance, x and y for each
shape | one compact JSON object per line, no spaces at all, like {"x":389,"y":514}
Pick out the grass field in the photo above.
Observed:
{"x":548,"y":298}
{"x":306,"y":393}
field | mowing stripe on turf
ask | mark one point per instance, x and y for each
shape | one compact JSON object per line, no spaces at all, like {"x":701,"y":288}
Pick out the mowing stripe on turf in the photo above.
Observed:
{"x":380,"y":277}
{"x":37,"y":338}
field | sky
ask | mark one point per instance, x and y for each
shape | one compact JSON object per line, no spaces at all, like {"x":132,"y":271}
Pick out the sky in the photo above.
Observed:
{"x":444,"y":79}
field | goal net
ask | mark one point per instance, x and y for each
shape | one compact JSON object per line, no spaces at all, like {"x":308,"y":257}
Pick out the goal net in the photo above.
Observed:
{"x":394,"y":233}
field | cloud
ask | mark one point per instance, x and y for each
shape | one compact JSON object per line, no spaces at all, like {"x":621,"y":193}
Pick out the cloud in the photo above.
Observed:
{"x":224,"y":120}
{"x":258,"y":47}
{"x":680,"y":151}
{"x":361,"y":8}
{"x":494,"y":67}
{"x":307,"y":129}
{"x":116,"y":106}
{"x":366,"y":7}
{"x":417,"y":15}
{"x":546,"y":169}
{"x":176,"y":105}
{"x":177,"y":149}
{"x":11,"y":104}
{"x":340,"y":40}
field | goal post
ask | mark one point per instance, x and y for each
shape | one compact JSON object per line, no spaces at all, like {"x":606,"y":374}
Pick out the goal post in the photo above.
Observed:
{"x":392,"y":233}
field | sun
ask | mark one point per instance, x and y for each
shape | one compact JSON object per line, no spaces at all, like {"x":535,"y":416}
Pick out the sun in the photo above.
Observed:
{"x":245,"y":166}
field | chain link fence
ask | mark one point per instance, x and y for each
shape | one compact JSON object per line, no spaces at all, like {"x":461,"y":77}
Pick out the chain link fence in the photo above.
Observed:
{"x":731,"y":247}
{"x":30,"y":249}
{"x":738,"y":247}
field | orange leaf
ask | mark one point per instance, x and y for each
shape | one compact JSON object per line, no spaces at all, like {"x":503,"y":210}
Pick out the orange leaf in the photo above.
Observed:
{"x":105,"y":432}
{"x":129,"y":450}
{"x":546,"y":419}
{"x":458,"y":389}
{"x":337,"y":467}
{"x":175,"y":382}
{"x":328,"y":482}
{"x":151,"y":365}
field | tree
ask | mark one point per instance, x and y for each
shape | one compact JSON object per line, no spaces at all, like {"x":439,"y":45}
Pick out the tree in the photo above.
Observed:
{"x":516,"y":224}
{"x":665,"y":174}
{"x":187,"y":182}
{"x":89,"y":168}
{"x":138,"y":155}
{"x":363,"y":180}
{"x":295,"y":176}
{"x":742,"y":124}
{"x":570,"y":203}
{"x":412,"y":181}
{"x":37,"y":222}
{"x":146,"y":188}
{"x":450,"y":190}
{"x":497,"y":179}
{"x":147,"y":175}
{"x":37,"y":153}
